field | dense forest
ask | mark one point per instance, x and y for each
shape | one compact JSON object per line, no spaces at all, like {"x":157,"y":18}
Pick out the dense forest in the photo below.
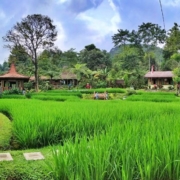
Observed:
{"x":133,"y":54}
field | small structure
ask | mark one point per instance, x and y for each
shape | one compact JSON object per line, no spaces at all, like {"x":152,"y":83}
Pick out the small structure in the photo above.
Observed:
{"x":13,"y":80}
{"x":159,"y":79}
{"x":43,"y":78}
{"x":67,"y":78}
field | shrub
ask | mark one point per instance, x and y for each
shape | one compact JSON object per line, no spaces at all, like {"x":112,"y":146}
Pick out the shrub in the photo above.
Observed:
{"x":131,"y":92}
{"x":28,"y":85}
{"x":28,"y":95}
{"x":12,"y":91}
{"x":171,"y":87}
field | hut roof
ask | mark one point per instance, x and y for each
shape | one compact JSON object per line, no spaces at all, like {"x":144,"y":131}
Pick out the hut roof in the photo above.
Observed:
{"x":13,"y":74}
{"x":32,"y":78}
{"x":159,"y":74}
{"x":68,"y":75}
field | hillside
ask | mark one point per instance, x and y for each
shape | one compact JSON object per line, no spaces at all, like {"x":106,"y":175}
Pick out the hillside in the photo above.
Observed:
{"x":157,"y":50}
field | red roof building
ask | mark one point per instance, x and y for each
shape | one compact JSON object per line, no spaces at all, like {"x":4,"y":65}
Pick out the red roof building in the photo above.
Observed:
{"x":13,"y":79}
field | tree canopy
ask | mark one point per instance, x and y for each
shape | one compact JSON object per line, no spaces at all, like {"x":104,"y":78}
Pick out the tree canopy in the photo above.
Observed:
{"x":34,"y":33}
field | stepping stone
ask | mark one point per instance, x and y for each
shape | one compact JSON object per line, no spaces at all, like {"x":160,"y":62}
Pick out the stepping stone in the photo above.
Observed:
{"x":5,"y":157}
{"x":33,"y":156}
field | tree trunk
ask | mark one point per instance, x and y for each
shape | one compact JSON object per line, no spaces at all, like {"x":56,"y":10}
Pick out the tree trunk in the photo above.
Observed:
{"x":36,"y":77}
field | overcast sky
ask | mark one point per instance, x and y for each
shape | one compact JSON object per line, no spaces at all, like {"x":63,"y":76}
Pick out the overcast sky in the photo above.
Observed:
{"x":83,"y":22}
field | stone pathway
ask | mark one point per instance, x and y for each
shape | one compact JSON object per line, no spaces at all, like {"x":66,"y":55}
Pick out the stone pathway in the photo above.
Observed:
{"x":27,"y":156}
{"x":5,"y":157}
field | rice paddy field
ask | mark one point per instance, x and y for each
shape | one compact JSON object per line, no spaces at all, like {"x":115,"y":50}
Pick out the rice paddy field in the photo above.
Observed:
{"x":137,"y":138}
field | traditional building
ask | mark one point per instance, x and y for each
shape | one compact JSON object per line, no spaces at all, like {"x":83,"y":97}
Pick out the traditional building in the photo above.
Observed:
{"x":13,"y":80}
{"x":67,"y":78}
{"x":159,"y":79}
{"x":64,"y":79}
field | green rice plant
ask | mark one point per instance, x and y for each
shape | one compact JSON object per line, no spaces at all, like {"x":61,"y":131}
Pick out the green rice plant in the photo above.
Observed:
{"x":12,"y":96}
{"x":102,"y":90}
{"x":59,"y":93}
{"x":63,"y":92}
{"x":153,"y":96}
{"x":54,"y":98}
{"x":5,"y":132}
{"x":139,"y":148}
{"x":140,"y":92}
{"x":101,"y":139}
{"x":84,"y":159}
{"x":70,"y":118}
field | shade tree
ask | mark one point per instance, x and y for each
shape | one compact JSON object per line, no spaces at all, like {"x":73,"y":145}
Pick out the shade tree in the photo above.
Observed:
{"x":94,"y":58}
{"x":34,"y":33}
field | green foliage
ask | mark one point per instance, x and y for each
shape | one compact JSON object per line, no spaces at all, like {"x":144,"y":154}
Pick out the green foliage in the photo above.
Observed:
{"x":28,"y":85}
{"x":172,"y":43}
{"x":130,"y":66}
{"x":176,"y":77}
{"x":55,"y":98}
{"x":20,"y":169}
{"x":5,"y":132}
{"x":44,"y":85}
{"x":131,"y":92}
{"x":82,"y":71}
{"x":28,"y":95}
{"x":147,"y":33}
{"x":12,"y":96}
{"x":56,"y":95}
{"x":102,"y":90}
{"x":12,"y":91}
{"x":153,"y":97}
{"x":97,"y":137}
{"x":100,"y":84}
{"x":94,"y":58}
{"x":34,"y":32}
{"x":4,"y":67}
{"x":151,"y":34}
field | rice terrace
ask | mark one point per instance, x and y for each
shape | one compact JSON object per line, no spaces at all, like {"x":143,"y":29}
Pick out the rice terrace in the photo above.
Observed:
{"x":136,"y":137}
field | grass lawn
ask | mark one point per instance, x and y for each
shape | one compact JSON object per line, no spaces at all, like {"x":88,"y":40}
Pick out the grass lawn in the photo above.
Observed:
{"x":21,"y":169}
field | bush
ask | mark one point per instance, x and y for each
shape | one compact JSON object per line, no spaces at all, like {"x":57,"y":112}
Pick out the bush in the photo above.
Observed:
{"x":28,"y":85}
{"x":171,"y":87}
{"x":28,"y":95}
{"x":131,"y":92}
{"x":12,"y":91}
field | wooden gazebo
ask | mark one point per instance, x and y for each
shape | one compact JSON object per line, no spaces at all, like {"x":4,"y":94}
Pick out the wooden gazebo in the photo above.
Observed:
{"x":13,"y":80}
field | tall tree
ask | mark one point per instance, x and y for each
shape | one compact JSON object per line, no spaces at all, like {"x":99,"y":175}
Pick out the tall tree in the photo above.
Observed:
{"x":94,"y":58}
{"x":176,"y":78}
{"x":151,"y":36}
{"x":172,"y":48}
{"x":4,"y":67}
{"x":21,"y":59}
{"x":33,"y":33}
{"x":121,"y":38}
{"x":80,"y":70}
{"x":127,"y":65}
{"x":172,"y":44}
{"x":148,"y":35}
{"x":69,"y":58}
{"x":91,"y":47}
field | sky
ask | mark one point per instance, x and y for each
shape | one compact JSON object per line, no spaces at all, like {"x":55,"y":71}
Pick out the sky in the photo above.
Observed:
{"x":83,"y":22}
